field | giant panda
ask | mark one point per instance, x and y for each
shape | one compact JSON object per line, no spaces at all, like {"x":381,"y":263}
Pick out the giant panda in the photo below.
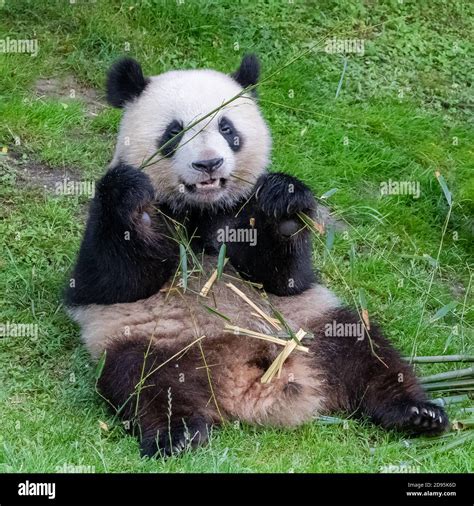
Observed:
{"x":192,"y":158}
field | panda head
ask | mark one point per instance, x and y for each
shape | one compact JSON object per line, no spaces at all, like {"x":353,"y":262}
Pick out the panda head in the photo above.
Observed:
{"x":198,"y":150}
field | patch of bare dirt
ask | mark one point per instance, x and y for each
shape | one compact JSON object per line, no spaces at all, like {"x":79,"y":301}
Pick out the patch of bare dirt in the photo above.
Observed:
{"x":324,"y":217}
{"x":39,"y":175}
{"x":68,"y":88}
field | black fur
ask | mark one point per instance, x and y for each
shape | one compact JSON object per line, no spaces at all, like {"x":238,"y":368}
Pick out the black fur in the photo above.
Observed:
{"x":125,"y":82}
{"x":170,"y":139}
{"x":168,"y":418}
{"x":248,"y":72}
{"x":368,"y":377}
{"x":230,"y":134}
{"x":122,"y":258}
{"x":281,"y":259}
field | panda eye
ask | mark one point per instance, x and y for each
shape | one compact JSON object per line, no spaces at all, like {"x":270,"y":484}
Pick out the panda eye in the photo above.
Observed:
{"x":225,"y":129}
{"x":175,"y":131}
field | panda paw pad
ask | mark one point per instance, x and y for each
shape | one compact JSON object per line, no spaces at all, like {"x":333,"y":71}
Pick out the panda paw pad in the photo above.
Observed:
{"x":425,"y":418}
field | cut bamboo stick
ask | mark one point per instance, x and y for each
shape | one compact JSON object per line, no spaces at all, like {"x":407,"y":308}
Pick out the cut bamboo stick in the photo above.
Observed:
{"x":251,"y":333}
{"x":455,"y":442}
{"x":466,"y":384}
{"x":205,"y":289}
{"x":467,"y":410}
{"x":277,"y":365}
{"x":463,"y":424}
{"x":329,"y":420}
{"x":452,"y":399}
{"x":460,"y":373}
{"x":441,"y":358}
{"x":272,"y":321}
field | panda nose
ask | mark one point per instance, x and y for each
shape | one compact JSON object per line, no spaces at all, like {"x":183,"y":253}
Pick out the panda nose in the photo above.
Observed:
{"x":208,"y":166}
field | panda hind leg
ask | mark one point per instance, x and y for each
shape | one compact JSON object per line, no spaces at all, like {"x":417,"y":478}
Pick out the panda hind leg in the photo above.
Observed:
{"x":163,"y":401}
{"x":367,"y":376}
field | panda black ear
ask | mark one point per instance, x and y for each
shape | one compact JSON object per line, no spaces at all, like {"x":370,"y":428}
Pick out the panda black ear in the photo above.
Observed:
{"x":125,"y":81}
{"x":248,"y":72}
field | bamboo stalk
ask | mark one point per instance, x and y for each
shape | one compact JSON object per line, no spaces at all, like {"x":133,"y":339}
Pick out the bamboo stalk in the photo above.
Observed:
{"x":457,"y":441}
{"x":466,"y":384}
{"x":440,"y":358}
{"x":251,"y":333}
{"x":463,"y":424}
{"x":453,"y":399}
{"x":272,"y":321}
{"x":460,"y":373}
{"x":466,"y":410}
{"x":329,"y":420}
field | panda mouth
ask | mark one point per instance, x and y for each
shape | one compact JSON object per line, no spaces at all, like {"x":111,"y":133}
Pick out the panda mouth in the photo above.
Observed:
{"x":208,"y":185}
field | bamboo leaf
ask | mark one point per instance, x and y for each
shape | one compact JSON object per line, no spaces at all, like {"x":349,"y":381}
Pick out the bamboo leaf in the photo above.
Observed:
{"x":221,"y":260}
{"x":280,"y":318}
{"x":329,"y":238}
{"x":214,"y":311}
{"x":445,"y":188}
{"x":100,"y":366}
{"x":339,"y":86}
{"x":443,"y":311}
{"x":329,"y":193}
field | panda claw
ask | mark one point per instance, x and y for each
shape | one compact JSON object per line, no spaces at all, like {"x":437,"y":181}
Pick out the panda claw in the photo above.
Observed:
{"x":425,"y":418}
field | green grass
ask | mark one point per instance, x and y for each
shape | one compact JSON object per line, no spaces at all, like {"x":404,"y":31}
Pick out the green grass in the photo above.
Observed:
{"x":49,"y":410}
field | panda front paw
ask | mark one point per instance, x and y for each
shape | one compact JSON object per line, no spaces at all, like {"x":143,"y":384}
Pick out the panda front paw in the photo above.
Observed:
{"x":124,"y":187}
{"x":281,"y":197}
{"x":177,"y":438}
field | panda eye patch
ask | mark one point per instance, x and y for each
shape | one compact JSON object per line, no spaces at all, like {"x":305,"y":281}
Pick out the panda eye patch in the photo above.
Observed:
{"x":171,"y":138}
{"x":230,"y":134}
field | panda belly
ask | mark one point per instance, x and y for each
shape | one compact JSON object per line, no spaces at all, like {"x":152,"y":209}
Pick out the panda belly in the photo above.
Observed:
{"x":174,"y":319}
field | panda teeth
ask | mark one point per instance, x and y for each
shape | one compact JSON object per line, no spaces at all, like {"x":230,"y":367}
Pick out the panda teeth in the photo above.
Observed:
{"x":210,"y":183}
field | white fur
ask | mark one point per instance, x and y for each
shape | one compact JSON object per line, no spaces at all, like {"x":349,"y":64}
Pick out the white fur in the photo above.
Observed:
{"x":186,"y":96}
